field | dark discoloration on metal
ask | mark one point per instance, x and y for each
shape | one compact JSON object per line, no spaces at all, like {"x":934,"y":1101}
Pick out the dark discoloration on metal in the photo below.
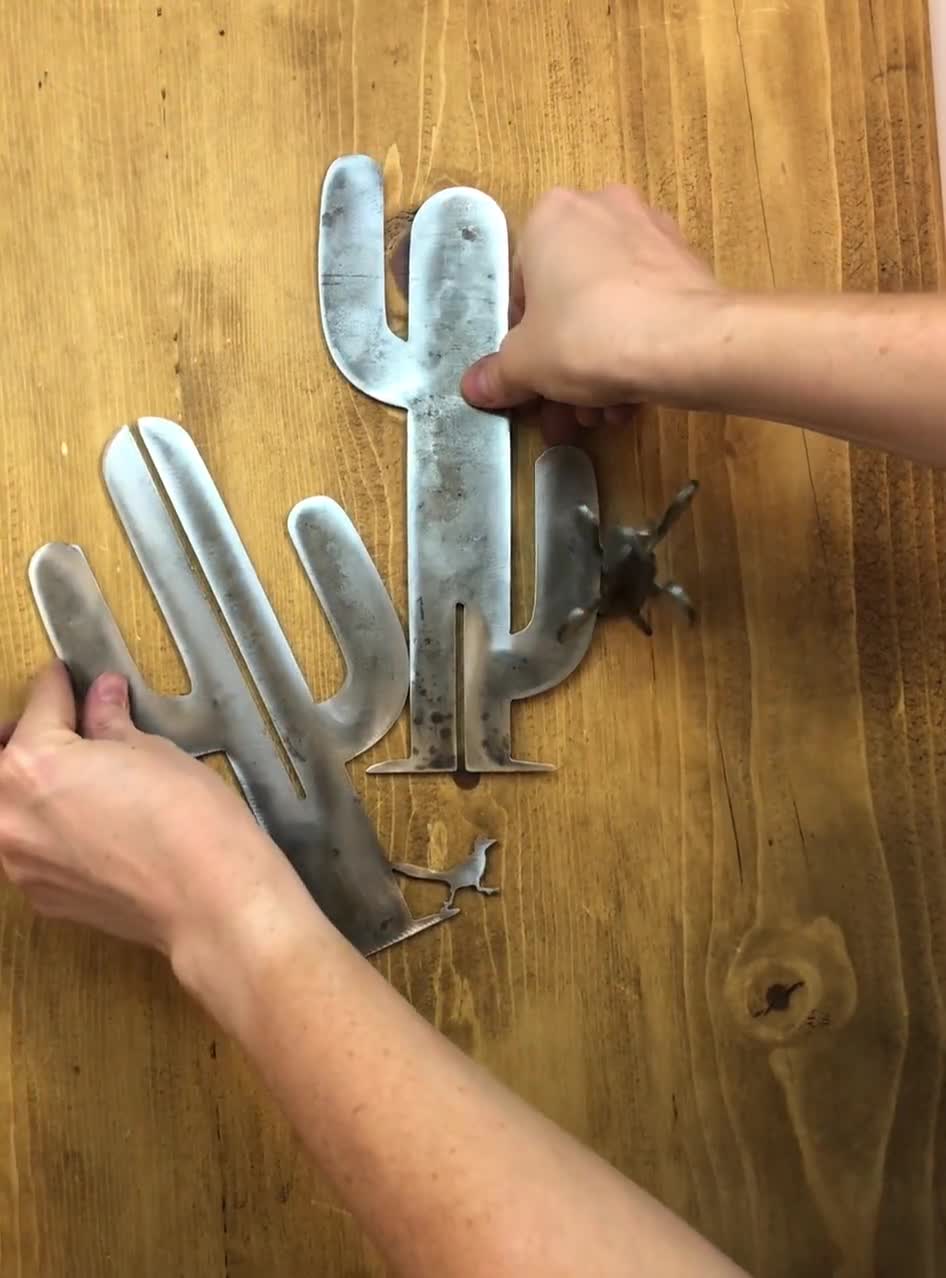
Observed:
{"x":629,"y":567}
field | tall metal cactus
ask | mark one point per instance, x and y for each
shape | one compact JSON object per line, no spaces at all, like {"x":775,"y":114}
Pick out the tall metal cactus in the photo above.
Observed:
{"x":459,"y":466}
{"x":304,"y":798}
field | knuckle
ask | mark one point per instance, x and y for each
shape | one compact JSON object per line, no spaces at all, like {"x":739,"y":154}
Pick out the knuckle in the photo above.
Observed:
{"x":43,"y":905}
{"x":15,"y":872}
{"x":570,"y":359}
{"x":100,"y":719}
{"x":665,"y":221}
{"x":24,"y":773}
{"x":625,"y":199}
{"x":557,"y":198}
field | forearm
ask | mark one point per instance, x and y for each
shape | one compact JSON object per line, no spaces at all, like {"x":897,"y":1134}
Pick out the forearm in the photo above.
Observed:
{"x":449,"y":1172}
{"x":864,"y":367}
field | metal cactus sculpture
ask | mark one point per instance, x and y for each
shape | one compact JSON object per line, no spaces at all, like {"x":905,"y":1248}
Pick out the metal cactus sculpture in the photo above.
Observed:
{"x":291,"y":768}
{"x":459,"y":468}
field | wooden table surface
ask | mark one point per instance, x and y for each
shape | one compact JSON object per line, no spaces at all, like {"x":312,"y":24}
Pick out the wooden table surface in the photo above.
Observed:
{"x":720,"y":952}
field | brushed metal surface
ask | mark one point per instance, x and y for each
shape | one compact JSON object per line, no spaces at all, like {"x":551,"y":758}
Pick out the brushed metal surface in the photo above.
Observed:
{"x":299,"y":789}
{"x":459,"y":468}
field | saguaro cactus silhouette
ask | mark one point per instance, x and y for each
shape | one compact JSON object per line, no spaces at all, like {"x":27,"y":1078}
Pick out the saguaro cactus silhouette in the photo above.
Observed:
{"x":304,"y":798}
{"x":459,"y":471}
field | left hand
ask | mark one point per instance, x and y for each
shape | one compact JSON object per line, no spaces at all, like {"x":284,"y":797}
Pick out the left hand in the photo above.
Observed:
{"x":122,"y":830}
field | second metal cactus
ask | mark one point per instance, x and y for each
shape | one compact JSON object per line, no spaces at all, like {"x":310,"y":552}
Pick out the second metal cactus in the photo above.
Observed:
{"x":289,"y":759}
{"x":459,"y":468}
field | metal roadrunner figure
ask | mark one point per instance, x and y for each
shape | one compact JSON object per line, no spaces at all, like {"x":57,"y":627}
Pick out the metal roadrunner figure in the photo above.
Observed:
{"x":459,"y":468}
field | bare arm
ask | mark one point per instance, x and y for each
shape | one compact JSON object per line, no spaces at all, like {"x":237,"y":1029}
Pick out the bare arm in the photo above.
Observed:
{"x":448,"y":1171}
{"x":445,"y":1169}
{"x":871,"y":369}
{"x":611,"y":307}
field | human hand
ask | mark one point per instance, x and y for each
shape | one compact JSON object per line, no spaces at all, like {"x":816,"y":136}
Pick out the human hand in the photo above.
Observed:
{"x":123,"y":831}
{"x":606,"y":297}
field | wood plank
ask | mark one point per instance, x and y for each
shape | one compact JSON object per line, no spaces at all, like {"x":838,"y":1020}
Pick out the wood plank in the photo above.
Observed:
{"x":746,"y":809}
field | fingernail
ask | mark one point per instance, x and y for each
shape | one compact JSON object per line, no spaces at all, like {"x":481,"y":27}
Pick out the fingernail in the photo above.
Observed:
{"x":477,"y":383}
{"x":112,"y":689}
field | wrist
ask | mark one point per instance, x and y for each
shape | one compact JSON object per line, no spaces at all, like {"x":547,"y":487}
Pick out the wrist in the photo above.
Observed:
{"x":232,"y":945}
{"x":697,"y":361}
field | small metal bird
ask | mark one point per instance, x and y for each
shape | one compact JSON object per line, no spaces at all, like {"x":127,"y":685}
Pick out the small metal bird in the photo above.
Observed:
{"x":629,"y":567}
{"x":468,"y":874}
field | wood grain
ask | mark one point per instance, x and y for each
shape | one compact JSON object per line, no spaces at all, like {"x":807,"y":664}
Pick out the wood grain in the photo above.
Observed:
{"x":720,"y":952}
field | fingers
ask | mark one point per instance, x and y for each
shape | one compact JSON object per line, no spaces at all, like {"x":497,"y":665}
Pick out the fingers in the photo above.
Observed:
{"x":105,"y":715}
{"x":588,"y":417}
{"x":50,"y":707}
{"x":500,"y":380}
{"x":619,"y":415}
{"x":517,"y":293}
{"x":559,"y":425}
{"x":620,"y":194}
{"x":563,"y":423}
{"x":615,"y":415}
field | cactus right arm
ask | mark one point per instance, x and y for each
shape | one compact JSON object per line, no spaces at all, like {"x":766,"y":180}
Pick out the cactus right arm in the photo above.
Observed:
{"x":339,"y":568}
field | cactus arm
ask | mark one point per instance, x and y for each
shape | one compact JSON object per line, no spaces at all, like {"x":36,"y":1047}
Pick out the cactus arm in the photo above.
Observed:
{"x":363,"y":621}
{"x":568,"y":570}
{"x":84,"y":635}
{"x":458,"y":287}
{"x":498,"y":668}
{"x":567,"y":574}
{"x":351,"y":269}
{"x":218,"y":713}
{"x":348,"y":721}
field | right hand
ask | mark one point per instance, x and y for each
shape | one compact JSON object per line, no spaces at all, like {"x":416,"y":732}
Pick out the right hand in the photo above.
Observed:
{"x":605,"y":297}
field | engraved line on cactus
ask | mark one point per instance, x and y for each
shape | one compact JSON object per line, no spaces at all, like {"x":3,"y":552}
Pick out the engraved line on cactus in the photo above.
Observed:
{"x":211,"y":603}
{"x":459,"y":469}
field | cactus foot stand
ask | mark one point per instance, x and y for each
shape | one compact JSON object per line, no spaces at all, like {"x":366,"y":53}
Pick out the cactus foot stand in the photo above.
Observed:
{"x":459,"y":468}
{"x":288,"y":756}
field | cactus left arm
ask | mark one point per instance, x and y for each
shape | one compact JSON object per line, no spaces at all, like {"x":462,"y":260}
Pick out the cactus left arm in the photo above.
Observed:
{"x":351,"y":270}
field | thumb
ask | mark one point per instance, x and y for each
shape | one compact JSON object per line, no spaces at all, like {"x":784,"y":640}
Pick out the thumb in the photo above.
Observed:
{"x":496,"y":381}
{"x":105,"y":715}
